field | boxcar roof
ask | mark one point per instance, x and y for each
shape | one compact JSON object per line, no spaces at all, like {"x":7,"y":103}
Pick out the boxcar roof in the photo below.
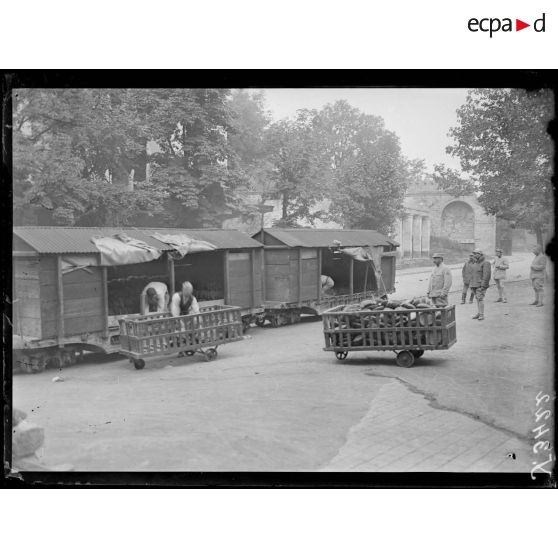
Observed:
{"x":77,"y":240}
{"x":321,"y":238}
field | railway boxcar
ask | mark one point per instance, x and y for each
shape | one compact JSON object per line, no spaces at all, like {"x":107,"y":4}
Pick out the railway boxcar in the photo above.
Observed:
{"x":66,"y":299}
{"x":360,"y":262}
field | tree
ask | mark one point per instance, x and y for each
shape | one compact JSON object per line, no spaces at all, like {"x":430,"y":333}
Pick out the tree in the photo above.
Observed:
{"x":301,"y":173}
{"x":73,"y":149}
{"x":370,"y":173}
{"x":503,"y":144}
{"x":194,"y":167}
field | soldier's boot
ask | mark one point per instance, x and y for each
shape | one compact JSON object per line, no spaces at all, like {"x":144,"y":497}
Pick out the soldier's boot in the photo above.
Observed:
{"x":463,"y":298}
{"x":481,"y":310}
{"x":536,"y":301}
{"x":540,"y":300}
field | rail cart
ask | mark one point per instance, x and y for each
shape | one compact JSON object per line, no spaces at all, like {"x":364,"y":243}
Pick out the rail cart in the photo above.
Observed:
{"x":147,"y":336}
{"x":66,"y":300}
{"x":408,"y":333}
{"x":295,"y":260}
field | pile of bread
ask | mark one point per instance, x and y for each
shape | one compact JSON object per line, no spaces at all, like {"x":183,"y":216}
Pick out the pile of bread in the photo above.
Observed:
{"x":416,"y":315}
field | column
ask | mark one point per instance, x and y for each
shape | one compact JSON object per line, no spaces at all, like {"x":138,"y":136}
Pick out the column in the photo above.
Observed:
{"x":425,"y":244}
{"x":407,"y":236}
{"x":417,"y":236}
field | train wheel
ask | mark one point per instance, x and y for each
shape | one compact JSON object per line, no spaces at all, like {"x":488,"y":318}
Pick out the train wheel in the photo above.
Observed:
{"x":37,"y":364}
{"x":405,"y":359}
{"x":69,"y":358}
{"x":417,"y":353}
{"x":341,"y":355}
{"x":210,"y":354}
{"x":275,"y":320}
{"x":139,"y":363}
{"x":260,"y":321}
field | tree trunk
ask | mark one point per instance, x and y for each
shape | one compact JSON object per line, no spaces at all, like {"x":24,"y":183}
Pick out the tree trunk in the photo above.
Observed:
{"x":130,"y":187}
{"x":284,"y":210}
{"x":539,"y":234}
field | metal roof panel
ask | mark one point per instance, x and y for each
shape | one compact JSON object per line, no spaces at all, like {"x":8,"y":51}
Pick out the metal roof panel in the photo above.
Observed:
{"x":322,"y":238}
{"x":77,"y":240}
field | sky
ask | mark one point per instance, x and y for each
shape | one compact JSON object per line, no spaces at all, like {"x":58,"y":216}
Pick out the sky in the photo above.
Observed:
{"x":420,"y":117}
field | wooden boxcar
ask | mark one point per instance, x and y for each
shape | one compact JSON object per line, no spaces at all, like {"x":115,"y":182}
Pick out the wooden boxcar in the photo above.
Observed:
{"x":295,"y":260}
{"x":65,"y":301}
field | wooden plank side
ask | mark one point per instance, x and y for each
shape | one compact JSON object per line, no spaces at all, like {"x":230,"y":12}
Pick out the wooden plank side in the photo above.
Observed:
{"x":276,"y":270}
{"x":309,"y":253}
{"x":85,"y":306}
{"x":60,"y":313}
{"x":26,"y":288}
{"x":309,"y":292}
{"x":81,"y":276}
{"x":48,"y":263}
{"x":75,"y":326}
{"x":77,"y":291}
{"x":240,"y":274}
{"x":309,"y":266}
{"x":238,"y":257}
{"x":243,"y":300}
{"x":26,"y":268}
{"x":29,"y":308}
{"x":29,"y":327}
{"x":277,"y":288}
{"x":276,"y":257}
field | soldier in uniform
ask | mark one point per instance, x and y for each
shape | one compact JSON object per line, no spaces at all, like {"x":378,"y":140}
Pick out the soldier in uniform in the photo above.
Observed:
{"x":440,"y":281}
{"x":538,"y":268}
{"x":500,"y":266}
{"x":480,"y":281}
{"x":467,"y":273}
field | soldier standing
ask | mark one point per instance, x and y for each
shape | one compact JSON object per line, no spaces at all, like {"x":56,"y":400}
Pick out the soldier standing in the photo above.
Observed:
{"x":500,"y":266}
{"x":480,"y":281}
{"x":538,"y":268}
{"x":440,"y":281}
{"x":467,"y":273}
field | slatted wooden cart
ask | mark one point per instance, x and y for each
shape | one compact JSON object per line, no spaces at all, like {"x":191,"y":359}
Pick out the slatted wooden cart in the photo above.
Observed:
{"x":408,"y":333}
{"x":147,"y":336}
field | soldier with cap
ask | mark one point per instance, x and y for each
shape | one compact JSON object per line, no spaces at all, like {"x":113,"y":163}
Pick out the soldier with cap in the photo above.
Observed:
{"x":480,"y":281}
{"x":538,"y":268}
{"x":440,"y":281}
{"x":500,"y":266}
{"x":467,"y":272}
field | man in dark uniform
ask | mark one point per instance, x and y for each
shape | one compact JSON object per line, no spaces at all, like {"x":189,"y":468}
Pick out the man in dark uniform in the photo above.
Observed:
{"x":480,"y":281}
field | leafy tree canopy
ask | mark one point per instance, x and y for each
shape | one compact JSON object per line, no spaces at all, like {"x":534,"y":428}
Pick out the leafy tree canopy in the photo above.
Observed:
{"x":503,"y":144}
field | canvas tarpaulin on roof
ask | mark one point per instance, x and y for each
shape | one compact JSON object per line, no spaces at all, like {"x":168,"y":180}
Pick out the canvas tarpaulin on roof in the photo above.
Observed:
{"x":184,"y":244}
{"x":121,"y":249}
{"x":371,"y":254}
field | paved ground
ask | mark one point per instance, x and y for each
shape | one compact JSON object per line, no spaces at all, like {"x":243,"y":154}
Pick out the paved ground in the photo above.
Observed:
{"x":277,"y":402}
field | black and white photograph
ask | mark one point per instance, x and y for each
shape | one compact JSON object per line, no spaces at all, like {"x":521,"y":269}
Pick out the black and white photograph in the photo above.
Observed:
{"x":281,"y":280}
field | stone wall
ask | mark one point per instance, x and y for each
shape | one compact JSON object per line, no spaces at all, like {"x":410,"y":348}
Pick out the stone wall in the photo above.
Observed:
{"x":426,"y":197}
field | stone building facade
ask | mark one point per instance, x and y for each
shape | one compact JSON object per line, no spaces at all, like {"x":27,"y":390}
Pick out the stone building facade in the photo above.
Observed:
{"x":430,"y":212}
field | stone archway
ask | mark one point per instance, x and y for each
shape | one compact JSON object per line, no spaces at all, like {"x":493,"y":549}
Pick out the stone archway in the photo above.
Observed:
{"x":458,"y":223}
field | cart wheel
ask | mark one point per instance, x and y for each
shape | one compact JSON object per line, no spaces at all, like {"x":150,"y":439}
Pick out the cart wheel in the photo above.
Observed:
{"x":260,"y":321}
{"x":341,"y":355}
{"x":139,"y":363}
{"x":189,"y":353}
{"x":405,"y":359}
{"x":417,"y":353}
{"x":210,"y":354}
